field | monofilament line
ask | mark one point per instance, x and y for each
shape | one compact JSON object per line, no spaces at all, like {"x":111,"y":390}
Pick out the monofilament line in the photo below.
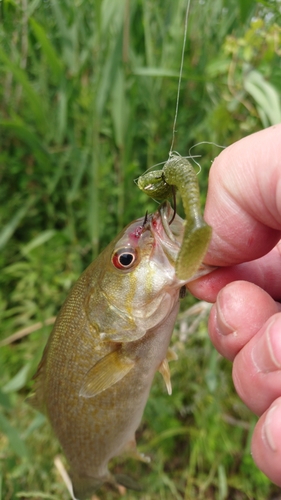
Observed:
{"x":180,"y":78}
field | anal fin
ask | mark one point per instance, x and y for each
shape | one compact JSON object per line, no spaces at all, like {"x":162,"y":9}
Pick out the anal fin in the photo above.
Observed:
{"x":130,"y":450}
{"x":165,"y":370}
{"x":171,"y":355}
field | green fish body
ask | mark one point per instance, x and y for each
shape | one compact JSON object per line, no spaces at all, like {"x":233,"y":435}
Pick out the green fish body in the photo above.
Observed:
{"x":110,"y":337}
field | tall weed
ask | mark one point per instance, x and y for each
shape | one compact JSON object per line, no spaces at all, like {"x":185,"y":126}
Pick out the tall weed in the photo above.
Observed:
{"x":87,"y":102}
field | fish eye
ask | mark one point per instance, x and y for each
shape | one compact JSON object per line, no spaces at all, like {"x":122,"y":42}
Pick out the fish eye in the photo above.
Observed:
{"x":124,"y":258}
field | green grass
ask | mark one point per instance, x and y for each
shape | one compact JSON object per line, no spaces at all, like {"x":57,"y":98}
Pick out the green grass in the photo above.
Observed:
{"x":87,"y":101}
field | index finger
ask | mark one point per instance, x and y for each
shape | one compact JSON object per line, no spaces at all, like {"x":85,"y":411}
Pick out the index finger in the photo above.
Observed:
{"x":244,"y":199}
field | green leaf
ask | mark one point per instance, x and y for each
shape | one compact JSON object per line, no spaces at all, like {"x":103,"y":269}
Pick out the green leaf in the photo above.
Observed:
{"x":17,"y":444}
{"x":5,"y":401}
{"x":22,"y":131}
{"x":108,"y":75}
{"x":246,"y":7}
{"x":12,"y":225}
{"x":34,"y":100}
{"x":18,"y":381}
{"x":53,"y":60}
{"x":38,"y":241}
{"x":36,"y":495}
{"x":222,"y":483}
{"x":266,"y":97}
{"x":32,"y":6}
{"x":80,"y":169}
{"x":61,"y":115}
{"x":37,"y":422}
{"x":119,"y":108}
{"x":154,"y":71}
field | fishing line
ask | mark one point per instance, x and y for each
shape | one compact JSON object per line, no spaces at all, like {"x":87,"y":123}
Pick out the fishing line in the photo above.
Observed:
{"x":171,"y":152}
{"x":196,"y":156}
{"x":180,"y":78}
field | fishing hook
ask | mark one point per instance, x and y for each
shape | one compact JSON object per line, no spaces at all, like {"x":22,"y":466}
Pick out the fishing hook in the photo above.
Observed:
{"x":174,"y":204}
{"x":145,"y":218}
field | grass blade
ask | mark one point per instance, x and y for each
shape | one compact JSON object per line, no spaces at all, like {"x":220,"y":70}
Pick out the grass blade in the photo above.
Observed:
{"x":35,"y":102}
{"x":12,"y":225}
{"x":52,"y":59}
{"x":20,"y":130}
{"x":17,"y":444}
{"x":266,"y":97}
{"x":18,"y":381}
{"x":38,"y":241}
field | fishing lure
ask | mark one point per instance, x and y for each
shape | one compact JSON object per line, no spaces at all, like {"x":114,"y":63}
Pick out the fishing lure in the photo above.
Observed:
{"x":178,"y":173}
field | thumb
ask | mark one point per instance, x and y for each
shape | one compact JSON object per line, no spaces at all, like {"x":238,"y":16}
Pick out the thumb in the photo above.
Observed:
{"x":244,"y":199}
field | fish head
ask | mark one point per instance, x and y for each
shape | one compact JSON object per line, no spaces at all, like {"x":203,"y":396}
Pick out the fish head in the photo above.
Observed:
{"x":148,"y":249}
{"x":138,"y":286}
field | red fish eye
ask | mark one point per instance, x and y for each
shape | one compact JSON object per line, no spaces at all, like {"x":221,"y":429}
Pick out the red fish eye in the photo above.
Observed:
{"x":124,"y":258}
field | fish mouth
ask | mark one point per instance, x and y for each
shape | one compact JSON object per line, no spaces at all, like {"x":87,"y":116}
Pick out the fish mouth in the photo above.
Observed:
{"x":168,"y":229}
{"x":172,"y":223}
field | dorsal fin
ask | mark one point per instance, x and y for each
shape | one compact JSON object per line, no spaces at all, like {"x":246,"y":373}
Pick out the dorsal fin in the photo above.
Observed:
{"x":36,"y":398}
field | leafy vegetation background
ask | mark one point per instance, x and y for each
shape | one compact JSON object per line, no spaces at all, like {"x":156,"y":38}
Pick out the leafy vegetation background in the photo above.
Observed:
{"x":87,"y":100}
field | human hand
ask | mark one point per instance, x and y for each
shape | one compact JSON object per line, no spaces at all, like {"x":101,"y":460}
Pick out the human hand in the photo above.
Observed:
{"x":244,"y":209}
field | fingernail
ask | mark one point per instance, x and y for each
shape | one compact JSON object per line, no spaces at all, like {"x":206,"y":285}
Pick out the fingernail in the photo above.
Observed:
{"x":274,"y":342}
{"x":266,"y":352}
{"x":266,"y":431}
{"x":223,"y":304}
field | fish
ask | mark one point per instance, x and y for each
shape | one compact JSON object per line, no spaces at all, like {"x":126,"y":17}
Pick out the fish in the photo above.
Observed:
{"x":109,"y":339}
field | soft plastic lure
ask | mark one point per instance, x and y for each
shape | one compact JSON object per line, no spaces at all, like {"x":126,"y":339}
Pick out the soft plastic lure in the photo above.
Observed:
{"x":159,"y":184}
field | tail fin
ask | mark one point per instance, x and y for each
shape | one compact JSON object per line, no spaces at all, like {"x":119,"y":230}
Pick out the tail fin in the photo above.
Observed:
{"x":85,"y":487}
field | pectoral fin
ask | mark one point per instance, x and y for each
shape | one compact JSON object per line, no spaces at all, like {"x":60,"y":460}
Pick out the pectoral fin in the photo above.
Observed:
{"x":105,"y":373}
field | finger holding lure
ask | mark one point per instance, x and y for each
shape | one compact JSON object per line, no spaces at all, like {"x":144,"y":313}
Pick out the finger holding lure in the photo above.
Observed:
{"x":179,"y":174}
